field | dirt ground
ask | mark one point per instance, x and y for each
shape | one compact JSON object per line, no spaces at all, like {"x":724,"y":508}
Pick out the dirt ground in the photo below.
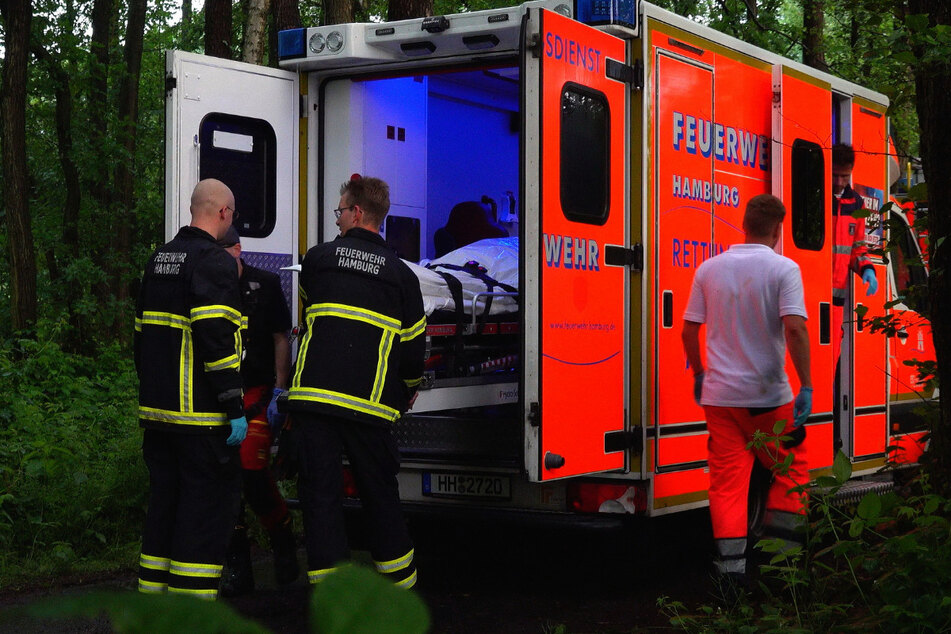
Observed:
{"x":480,"y":577}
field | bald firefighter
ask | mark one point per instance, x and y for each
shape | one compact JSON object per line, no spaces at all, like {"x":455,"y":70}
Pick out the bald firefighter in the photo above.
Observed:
{"x":187,"y":355}
{"x":750,"y":299}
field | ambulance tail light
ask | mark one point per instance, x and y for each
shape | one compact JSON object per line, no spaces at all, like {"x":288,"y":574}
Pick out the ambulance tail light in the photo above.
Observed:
{"x":601,"y":497}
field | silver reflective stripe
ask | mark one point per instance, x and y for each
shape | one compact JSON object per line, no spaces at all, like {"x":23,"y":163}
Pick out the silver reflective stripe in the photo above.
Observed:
{"x":343,"y":400}
{"x":223,"y":364}
{"x":408,"y":582}
{"x":182,"y":418}
{"x":154,"y":563}
{"x":201,"y":593}
{"x":353,"y":312}
{"x":413,"y":331}
{"x":155,"y":318}
{"x":394,"y":565}
{"x":838,"y":292}
{"x":725,"y":566}
{"x":151,"y":587}
{"x":732,"y":547}
{"x":784,"y":520}
{"x":185,"y":569}
{"x":386,"y":344}
{"x":842,"y":250}
{"x":316,"y":576}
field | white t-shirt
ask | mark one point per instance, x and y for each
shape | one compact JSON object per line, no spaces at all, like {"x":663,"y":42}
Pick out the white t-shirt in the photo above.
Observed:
{"x":741,"y":295}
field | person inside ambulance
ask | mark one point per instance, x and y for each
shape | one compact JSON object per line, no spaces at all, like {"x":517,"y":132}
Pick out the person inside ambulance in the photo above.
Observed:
{"x":751,"y":301}
{"x":265,"y":371}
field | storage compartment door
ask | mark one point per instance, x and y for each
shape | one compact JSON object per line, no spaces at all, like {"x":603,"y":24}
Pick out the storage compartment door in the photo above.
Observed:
{"x":238,"y":123}
{"x":802,"y":133}
{"x":573,"y":302}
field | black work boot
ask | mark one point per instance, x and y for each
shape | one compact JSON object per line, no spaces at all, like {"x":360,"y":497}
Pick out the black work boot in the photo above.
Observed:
{"x":284,"y":547}
{"x":237,"y":578}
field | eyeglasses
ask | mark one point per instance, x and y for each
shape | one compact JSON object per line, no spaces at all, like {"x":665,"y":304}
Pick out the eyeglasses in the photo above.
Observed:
{"x":340,"y":210}
{"x":234,"y":213}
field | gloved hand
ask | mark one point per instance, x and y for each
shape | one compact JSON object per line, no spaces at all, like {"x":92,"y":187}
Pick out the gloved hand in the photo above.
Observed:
{"x":275,"y":418}
{"x":868,"y":278}
{"x":697,"y":387}
{"x":802,"y":406}
{"x":239,"y":429}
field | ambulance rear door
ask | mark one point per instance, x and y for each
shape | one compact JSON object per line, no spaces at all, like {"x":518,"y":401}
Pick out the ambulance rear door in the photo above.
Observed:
{"x":574,"y":248}
{"x":238,"y":123}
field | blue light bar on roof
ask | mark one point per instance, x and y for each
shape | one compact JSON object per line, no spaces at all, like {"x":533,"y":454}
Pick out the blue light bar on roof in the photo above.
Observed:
{"x":291,"y":44}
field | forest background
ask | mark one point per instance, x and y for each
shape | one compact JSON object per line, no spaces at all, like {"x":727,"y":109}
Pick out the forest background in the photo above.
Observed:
{"x":82,"y":142}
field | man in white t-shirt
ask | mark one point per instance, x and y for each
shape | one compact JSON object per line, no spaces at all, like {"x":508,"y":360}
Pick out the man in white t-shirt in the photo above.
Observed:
{"x":751,"y":300}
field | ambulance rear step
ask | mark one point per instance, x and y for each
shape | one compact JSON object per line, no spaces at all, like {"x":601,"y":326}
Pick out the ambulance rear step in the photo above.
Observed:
{"x":853,"y":491}
{"x":483,"y":438}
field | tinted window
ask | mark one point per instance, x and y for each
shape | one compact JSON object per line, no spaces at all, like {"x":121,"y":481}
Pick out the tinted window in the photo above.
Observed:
{"x":585,"y":146}
{"x":808,"y":195}
{"x":240,"y":152}
{"x":907,"y":270}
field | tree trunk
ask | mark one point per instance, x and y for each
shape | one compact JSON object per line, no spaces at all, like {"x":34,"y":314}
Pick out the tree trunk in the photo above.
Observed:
{"x":186,"y":12}
{"x":813,"y":40}
{"x":218,"y":25}
{"x":933,"y":86}
{"x":102,"y":17}
{"x":17,"y":16}
{"x":405,"y":9}
{"x":255,"y":31}
{"x":338,"y":11}
{"x":125,"y":168}
{"x":286,"y":14}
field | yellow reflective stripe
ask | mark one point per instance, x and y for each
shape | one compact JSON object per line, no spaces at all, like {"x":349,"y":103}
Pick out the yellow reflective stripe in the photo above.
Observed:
{"x":157,"y":318}
{"x":187,"y":569}
{"x":138,"y":324}
{"x":183,"y":418}
{"x":346,"y":401}
{"x":185,"y":366}
{"x":154,"y":563}
{"x":201,"y":593}
{"x":355,"y":313}
{"x":302,"y":353}
{"x":408,"y":582}
{"x":386,"y":343}
{"x":408,"y":334}
{"x":223,"y":364}
{"x":152,"y":587}
{"x":394,"y":565}
{"x":413,"y":382}
{"x":316,"y":576}
{"x":216,"y":311}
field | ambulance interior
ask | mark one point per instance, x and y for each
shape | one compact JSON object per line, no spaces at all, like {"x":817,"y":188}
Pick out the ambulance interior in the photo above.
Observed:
{"x":447,"y":143}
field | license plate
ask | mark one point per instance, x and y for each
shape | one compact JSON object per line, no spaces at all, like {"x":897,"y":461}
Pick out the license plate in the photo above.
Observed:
{"x":466,"y":485}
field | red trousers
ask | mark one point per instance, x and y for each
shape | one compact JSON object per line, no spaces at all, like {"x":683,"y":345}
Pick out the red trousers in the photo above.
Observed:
{"x":731,"y":430}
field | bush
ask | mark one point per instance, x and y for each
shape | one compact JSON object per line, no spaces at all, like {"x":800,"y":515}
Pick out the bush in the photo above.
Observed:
{"x":72,"y":482}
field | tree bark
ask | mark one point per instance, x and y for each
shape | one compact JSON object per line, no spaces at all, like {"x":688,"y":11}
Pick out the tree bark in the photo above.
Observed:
{"x":405,"y":9}
{"x":99,"y":45}
{"x":255,"y":31}
{"x":813,"y":39}
{"x":218,"y":26}
{"x":125,"y":168}
{"x":286,"y":14}
{"x":338,"y":11}
{"x":20,"y":248}
{"x":933,"y":86}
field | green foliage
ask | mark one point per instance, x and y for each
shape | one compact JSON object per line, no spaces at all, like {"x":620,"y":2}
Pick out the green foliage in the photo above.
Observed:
{"x":72,"y":483}
{"x":350,"y":601}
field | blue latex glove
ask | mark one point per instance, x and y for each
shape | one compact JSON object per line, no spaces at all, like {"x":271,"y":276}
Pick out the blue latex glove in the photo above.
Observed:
{"x":802,"y":406}
{"x":697,"y":387}
{"x":868,"y":278}
{"x":275,"y":418}
{"x":239,"y":429}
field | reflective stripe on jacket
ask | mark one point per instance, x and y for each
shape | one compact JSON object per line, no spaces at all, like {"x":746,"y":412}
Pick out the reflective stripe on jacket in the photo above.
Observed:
{"x":849,"y":251}
{"x":187,"y":336}
{"x":361,"y":355}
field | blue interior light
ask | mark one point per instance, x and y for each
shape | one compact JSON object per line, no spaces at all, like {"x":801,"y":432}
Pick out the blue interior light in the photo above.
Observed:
{"x":291,"y":43}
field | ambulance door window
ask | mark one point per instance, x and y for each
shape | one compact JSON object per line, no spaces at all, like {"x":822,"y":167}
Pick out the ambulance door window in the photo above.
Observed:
{"x":240,"y":152}
{"x":808,"y":195}
{"x":585,"y":152}
{"x":908,"y":271}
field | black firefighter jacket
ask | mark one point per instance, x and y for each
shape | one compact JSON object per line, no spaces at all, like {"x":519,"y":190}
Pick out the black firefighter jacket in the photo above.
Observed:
{"x":187,"y":337}
{"x":362,"y":353}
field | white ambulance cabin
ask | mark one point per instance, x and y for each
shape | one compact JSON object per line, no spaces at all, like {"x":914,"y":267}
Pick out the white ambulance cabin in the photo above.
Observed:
{"x":609,"y":154}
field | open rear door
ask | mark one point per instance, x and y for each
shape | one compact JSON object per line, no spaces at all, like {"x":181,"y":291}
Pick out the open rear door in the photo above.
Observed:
{"x":238,"y":123}
{"x":574,"y":278}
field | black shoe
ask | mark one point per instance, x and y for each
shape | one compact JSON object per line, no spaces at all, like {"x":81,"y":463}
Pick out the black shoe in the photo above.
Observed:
{"x":237,"y":578}
{"x":284,"y":547}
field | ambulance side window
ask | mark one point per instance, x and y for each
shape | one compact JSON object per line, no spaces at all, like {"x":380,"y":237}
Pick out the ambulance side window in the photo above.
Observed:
{"x":240,"y":152}
{"x":808,"y":195}
{"x":907,"y":270}
{"x":585,"y":152}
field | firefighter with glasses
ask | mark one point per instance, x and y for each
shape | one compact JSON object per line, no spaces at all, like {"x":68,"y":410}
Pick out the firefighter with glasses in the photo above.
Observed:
{"x":187,"y":357}
{"x":359,"y":366}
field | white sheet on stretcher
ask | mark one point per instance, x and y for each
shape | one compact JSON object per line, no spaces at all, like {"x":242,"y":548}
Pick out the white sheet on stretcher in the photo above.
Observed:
{"x":499,"y":257}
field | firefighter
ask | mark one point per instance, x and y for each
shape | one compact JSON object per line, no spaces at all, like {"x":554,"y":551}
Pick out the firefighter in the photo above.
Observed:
{"x":265,"y":371}
{"x":187,"y":356}
{"x":751,"y":300}
{"x":360,"y":364}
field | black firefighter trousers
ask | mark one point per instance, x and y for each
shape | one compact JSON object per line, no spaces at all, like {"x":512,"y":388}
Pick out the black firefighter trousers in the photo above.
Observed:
{"x":195,"y":490}
{"x":374,"y":461}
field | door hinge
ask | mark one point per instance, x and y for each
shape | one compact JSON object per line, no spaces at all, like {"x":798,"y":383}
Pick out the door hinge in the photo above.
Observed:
{"x":170,"y":84}
{"x":615,"y":255}
{"x":623,"y":440}
{"x":633,"y":75}
{"x":534,"y":415}
{"x":535,"y":46}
